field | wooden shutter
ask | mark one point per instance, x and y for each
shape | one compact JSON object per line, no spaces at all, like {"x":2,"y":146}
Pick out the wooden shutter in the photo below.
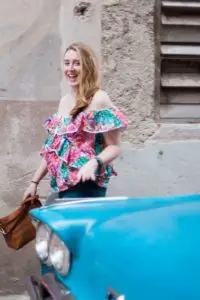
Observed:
{"x":179,"y":70}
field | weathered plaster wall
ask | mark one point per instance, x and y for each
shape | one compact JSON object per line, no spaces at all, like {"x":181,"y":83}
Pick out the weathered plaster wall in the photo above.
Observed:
{"x":33,"y":36}
{"x":128,"y":62}
{"x":30,"y":50}
{"x":33,"y":39}
{"x":161,"y":168}
{"x":80,"y":21}
{"x":128,"y":66}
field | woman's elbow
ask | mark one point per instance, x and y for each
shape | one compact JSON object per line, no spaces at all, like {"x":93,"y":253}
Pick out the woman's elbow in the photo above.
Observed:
{"x":118,"y":150}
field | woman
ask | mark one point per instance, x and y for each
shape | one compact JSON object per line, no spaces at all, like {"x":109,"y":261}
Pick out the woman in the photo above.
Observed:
{"x":83,"y":136}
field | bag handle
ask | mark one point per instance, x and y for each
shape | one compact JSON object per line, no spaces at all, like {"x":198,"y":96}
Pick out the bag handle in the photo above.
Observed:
{"x":29,"y":199}
{"x":26,"y":204}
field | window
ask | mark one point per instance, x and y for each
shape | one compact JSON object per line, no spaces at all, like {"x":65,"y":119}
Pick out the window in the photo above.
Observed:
{"x":178,"y":67}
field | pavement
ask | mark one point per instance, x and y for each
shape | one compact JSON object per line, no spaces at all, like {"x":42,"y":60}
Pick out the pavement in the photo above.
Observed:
{"x":15,"y":297}
{"x":15,"y":266}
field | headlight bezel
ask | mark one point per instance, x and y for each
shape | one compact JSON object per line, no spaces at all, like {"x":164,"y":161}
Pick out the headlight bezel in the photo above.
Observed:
{"x":42,"y":243}
{"x":45,"y":251}
{"x":58,"y":248}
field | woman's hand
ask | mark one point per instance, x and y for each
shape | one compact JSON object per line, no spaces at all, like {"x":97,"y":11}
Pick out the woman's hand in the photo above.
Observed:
{"x":87,"y":172}
{"x":30,"y":191}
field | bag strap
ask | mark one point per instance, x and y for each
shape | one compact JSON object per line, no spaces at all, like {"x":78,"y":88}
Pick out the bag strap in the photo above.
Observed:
{"x":26,"y":205}
{"x":31,"y":199}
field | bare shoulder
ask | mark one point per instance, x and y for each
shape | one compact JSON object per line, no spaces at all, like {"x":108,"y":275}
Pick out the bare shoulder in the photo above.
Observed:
{"x":101,"y":100}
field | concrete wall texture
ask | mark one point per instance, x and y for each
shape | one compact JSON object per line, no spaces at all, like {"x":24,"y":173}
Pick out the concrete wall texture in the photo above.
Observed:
{"x":157,"y":159}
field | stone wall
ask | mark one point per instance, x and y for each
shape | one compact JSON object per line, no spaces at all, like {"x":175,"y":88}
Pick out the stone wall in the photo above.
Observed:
{"x":33,"y":36}
{"x":33,"y":39}
{"x":128,"y":62}
{"x":30,"y":50}
{"x":165,"y":156}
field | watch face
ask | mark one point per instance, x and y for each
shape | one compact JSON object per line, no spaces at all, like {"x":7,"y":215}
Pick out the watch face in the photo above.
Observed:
{"x":99,"y":161}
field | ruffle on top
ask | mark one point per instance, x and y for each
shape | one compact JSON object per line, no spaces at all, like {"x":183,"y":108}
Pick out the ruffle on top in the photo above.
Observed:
{"x":61,"y":125}
{"x":104,"y":120}
{"x":73,"y":142}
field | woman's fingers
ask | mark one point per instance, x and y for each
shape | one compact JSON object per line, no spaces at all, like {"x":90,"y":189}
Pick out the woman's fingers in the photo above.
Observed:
{"x":26,"y":195}
{"x":83,"y":176}
{"x":93,"y":177}
{"x":79,"y":176}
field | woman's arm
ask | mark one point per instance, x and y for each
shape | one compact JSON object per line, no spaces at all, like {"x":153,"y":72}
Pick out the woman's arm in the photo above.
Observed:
{"x":112,"y":149}
{"x":112,"y":138}
{"x":39,"y":174}
{"x":110,"y":152}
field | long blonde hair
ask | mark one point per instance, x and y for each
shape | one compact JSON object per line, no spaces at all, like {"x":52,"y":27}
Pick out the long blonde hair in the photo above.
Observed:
{"x":89,"y":77}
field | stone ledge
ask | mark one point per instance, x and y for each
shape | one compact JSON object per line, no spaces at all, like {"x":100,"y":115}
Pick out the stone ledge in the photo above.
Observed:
{"x":176,"y":132}
{"x":110,"y":2}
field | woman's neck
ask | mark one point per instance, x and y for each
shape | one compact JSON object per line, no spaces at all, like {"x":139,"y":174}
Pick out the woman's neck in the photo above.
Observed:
{"x":73,"y":92}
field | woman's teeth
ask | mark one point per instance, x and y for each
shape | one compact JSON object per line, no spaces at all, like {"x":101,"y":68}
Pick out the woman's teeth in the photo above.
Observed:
{"x":71,"y":76}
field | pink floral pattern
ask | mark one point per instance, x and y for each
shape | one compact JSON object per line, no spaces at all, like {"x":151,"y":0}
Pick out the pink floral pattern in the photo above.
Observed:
{"x":73,"y":142}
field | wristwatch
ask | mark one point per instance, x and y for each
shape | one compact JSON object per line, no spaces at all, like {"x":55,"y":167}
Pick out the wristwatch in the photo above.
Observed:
{"x":99,"y":162}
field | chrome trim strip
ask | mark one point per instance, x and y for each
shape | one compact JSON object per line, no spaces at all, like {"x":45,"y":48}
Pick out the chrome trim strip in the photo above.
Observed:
{"x":86,"y":200}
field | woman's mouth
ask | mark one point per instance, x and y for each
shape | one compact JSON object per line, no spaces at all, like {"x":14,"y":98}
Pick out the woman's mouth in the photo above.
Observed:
{"x":72,"y":77}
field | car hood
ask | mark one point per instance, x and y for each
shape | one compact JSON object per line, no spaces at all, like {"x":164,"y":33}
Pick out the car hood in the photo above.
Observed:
{"x":142,"y":248}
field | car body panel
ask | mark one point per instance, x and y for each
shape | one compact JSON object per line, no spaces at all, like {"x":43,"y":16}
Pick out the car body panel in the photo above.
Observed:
{"x":141,"y":248}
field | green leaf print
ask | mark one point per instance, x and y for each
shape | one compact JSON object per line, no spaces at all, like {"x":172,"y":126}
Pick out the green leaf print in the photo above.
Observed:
{"x":54,"y":184}
{"x":107,"y":117}
{"x":64,"y":171}
{"x":64,"y":147}
{"x":81,"y":161}
{"x":49,"y":140}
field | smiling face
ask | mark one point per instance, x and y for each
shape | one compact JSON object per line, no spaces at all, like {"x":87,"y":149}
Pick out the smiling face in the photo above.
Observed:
{"x":82,"y":73}
{"x":72,"y":68}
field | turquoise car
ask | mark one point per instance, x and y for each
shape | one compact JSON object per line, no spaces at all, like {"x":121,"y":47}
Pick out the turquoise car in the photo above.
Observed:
{"x":118,"y":248}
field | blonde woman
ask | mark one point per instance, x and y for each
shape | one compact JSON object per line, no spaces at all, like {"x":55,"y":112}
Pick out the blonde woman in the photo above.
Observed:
{"x":83,"y":135}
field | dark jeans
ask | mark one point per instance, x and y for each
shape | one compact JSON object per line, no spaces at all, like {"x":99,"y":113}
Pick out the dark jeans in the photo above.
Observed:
{"x":88,"y":189}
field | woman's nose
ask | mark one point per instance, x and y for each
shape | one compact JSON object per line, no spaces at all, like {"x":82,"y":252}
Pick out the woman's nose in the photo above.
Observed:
{"x":71,"y":67}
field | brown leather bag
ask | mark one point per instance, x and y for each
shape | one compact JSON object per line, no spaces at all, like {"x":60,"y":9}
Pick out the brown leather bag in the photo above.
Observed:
{"x":17,"y":227}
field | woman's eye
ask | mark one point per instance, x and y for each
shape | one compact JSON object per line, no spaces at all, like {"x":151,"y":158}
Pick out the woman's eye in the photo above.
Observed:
{"x":77,"y":63}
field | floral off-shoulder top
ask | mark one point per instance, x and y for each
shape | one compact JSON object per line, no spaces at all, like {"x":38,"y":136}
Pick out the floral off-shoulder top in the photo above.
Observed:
{"x":73,"y":142}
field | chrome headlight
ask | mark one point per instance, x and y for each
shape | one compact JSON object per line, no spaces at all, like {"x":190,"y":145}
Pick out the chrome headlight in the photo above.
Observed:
{"x":59,"y":255}
{"x":43,"y":236}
